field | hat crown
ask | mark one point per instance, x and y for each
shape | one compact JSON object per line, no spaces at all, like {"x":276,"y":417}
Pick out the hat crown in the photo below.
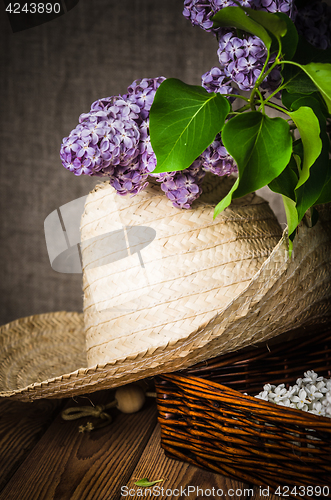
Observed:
{"x":181,"y":269}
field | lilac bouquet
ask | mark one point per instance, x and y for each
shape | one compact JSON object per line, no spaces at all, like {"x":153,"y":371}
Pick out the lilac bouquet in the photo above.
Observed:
{"x":273,"y":54}
{"x":112,"y":140}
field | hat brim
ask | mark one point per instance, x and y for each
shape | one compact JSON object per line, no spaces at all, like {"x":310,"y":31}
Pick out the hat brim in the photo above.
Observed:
{"x":44,"y":356}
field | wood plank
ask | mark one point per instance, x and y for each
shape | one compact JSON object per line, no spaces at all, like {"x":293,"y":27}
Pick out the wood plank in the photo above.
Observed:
{"x":21,"y":426}
{"x":67,"y":464}
{"x":154,"y":465}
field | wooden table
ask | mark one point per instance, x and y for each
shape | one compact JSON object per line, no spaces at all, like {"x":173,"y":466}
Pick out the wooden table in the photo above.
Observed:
{"x":43,"y":457}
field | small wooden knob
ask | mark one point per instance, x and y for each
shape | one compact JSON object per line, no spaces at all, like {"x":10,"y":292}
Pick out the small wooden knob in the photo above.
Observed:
{"x":130,"y":398}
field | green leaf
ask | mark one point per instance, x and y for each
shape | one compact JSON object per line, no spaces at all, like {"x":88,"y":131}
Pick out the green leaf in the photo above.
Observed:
{"x":184,"y":120}
{"x":298,"y":162}
{"x":320,"y":74}
{"x":236,"y":17}
{"x":292,"y":219}
{"x":309,"y":129}
{"x":289,"y":98}
{"x":308,"y":193}
{"x":277,"y":26}
{"x":286,"y":182}
{"x":260,"y":145}
{"x":298,"y":150}
{"x":225,"y":202}
{"x":262,"y":148}
{"x":313,"y":103}
{"x":290,"y":39}
{"x":145,"y":482}
{"x":325,"y":196}
{"x":285,"y":185}
{"x":296,"y":81}
{"x":291,"y":214}
{"x":274,"y":24}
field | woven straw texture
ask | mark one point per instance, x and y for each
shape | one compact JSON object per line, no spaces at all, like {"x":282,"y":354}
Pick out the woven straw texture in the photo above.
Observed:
{"x":193,"y":268}
{"x":38,"y":349}
{"x":243,"y":299}
{"x":207,"y":420}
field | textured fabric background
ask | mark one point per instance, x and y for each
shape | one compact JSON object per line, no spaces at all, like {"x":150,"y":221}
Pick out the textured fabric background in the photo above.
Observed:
{"x":50,"y":74}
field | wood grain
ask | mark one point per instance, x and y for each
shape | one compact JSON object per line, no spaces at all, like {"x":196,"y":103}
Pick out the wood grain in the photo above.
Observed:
{"x":154,"y":465}
{"x":67,"y":464}
{"x":21,"y":426}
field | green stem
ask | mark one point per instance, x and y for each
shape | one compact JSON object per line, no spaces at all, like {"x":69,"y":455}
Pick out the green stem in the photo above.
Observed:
{"x":280,"y":108}
{"x":281,"y":87}
{"x":243,"y":108}
{"x":236,"y":96}
{"x":264,"y":73}
{"x":292,"y":62}
{"x":261,"y":100}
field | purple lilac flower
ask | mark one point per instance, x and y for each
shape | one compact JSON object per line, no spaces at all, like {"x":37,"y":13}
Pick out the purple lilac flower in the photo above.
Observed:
{"x":218,"y":80}
{"x":314,"y":22}
{"x":80,"y":152}
{"x":141,"y":93}
{"x":103,"y":104}
{"x":147,"y":155}
{"x":129,"y":178}
{"x":241,"y":58}
{"x":183,"y":187}
{"x":200,"y":12}
{"x":285,"y":6}
{"x":103,"y":137}
{"x":112,"y":139}
{"x":217,"y":160}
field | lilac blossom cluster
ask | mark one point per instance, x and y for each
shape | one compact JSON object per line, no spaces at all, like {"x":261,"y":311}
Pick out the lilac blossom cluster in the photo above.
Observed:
{"x":272,"y":6}
{"x":112,"y":139}
{"x":241,"y":59}
{"x":183,"y":187}
{"x":217,"y":160}
{"x":200,"y":12}
{"x":218,"y":80}
{"x":314,"y":22}
{"x":241,"y":62}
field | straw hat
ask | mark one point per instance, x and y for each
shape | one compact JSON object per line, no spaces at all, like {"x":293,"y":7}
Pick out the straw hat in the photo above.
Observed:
{"x":186,"y":289}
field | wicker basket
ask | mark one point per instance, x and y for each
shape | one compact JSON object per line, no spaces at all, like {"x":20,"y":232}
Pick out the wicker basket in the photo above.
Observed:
{"x":207,"y":419}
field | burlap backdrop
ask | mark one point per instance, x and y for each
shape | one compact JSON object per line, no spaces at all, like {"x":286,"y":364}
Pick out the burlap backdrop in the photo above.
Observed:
{"x":49,"y":75}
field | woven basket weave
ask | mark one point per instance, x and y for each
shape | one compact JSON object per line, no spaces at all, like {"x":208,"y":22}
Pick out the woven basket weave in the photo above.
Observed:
{"x":207,"y":420}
